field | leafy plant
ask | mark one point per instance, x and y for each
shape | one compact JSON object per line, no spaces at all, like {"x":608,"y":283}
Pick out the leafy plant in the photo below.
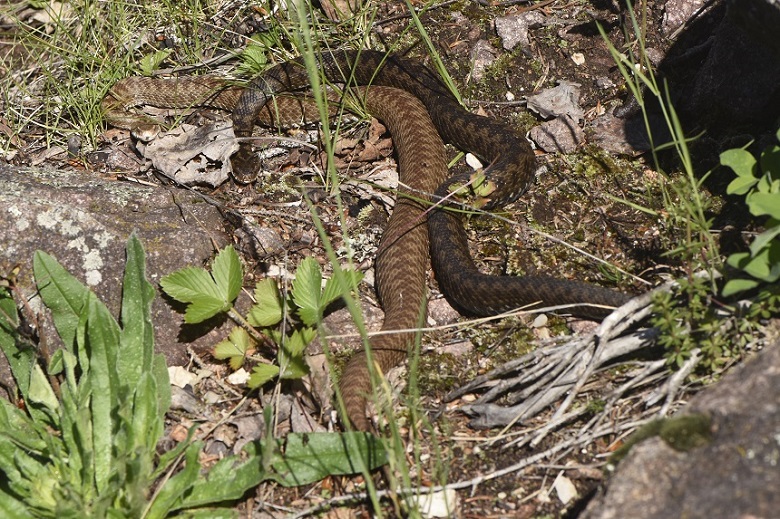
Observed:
{"x":85,"y":446}
{"x":699,"y":324}
{"x":759,"y":181}
{"x":299,"y":313}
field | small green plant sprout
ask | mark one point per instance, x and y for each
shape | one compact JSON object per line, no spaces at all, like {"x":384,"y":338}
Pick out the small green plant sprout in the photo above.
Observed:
{"x":759,"y":181}
{"x":289,"y":322}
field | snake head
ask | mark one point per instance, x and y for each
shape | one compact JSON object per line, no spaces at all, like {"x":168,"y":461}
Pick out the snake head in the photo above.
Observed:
{"x":246,"y":165}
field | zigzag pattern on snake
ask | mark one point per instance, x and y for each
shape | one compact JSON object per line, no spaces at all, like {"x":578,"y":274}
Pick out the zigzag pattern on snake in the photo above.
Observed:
{"x":415,"y":118}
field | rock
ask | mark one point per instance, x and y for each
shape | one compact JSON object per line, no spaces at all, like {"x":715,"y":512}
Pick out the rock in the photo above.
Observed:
{"x":482,"y":56}
{"x":84,"y":221}
{"x":513,"y":30}
{"x":561,"y":135}
{"x":737,"y":474}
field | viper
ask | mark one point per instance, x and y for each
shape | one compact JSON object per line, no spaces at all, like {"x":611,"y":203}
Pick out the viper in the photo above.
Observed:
{"x":420,"y":112}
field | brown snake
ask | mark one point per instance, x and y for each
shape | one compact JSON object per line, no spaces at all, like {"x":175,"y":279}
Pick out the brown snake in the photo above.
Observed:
{"x":413,"y":117}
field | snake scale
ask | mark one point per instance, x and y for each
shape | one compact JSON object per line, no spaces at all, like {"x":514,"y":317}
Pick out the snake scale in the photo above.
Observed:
{"x":419,"y":111}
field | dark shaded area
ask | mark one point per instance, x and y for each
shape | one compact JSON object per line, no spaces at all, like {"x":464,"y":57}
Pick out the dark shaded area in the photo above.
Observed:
{"x":723,"y":73}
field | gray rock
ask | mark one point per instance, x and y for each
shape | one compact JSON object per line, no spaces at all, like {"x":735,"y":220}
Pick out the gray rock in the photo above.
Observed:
{"x":513,"y":30}
{"x":737,"y":474}
{"x":562,"y":134}
{"x":84,"y":221}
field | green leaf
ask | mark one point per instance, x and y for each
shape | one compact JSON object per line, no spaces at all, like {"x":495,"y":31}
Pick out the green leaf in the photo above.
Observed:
{"x":234,"y":348}
{"x":770,"y":161}
{"x":310,"y":457}
{"x":268,"y":309}
{"x":291,"y":360}
{"x":228,"y":480}
{"x":18,"y":428}
{"x":742,"y":162}
{"x":41,"y":392}
{"x":177,"y":487}
{"x":62,"y":293}
{"x":741,"y":185}
{"x":195,"y":286}
{"x":306,"y":291}
{"x":136,"y":350}
{"x":101,"y":340}
{"x":334,"y":290}
{"x":19,"y":351}
{"x":297,"y":341}
{"x":735,"y":286}
{"x":261,"y":374}
{"x":160,"y":373}
{"x":766,"y":238}
{"x":152,"y":62}
{"x":764,"y":203}
{"x":228,"y":273}
{"x":146,"y":424}
{"x":12,"y":508}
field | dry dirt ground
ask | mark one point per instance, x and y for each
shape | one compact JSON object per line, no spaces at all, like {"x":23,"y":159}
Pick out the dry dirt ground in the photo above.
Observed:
{"x":575,"y":198}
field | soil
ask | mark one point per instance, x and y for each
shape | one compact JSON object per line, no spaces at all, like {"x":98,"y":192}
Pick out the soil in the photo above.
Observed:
{"x":576,"y":198}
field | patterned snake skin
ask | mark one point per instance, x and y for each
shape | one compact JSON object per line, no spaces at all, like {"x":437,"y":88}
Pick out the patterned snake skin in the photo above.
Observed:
{"x":416,"y":109}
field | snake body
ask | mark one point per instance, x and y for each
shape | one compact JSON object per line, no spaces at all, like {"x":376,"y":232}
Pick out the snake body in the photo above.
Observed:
{"x":417,"y":108}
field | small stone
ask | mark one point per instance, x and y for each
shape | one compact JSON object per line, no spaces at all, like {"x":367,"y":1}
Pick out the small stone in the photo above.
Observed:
{"x":513,"y":30}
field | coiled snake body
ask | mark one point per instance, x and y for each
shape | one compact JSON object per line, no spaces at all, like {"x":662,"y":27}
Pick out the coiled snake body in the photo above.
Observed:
{"x":414,"y":114}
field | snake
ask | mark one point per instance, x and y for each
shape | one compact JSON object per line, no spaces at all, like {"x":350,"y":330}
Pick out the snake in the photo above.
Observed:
{"x":421,"y":114}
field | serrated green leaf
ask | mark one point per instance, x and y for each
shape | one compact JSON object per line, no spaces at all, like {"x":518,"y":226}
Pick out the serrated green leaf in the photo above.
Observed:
{"x":268,"y":309}
{"x":188,"y":283}
{"x":204,"y":307}
{"x":306,"y":291}
{"x":234,"y":348}
{"x":151,"y":62}
{"x":261,"y":374}
{"x":334,"y":290}
{"x":740,"y":161}
{"x":228,"y":273}
{"x":298,"y":340}
{"x":291,"y":361}
{"x":311,"y":457}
